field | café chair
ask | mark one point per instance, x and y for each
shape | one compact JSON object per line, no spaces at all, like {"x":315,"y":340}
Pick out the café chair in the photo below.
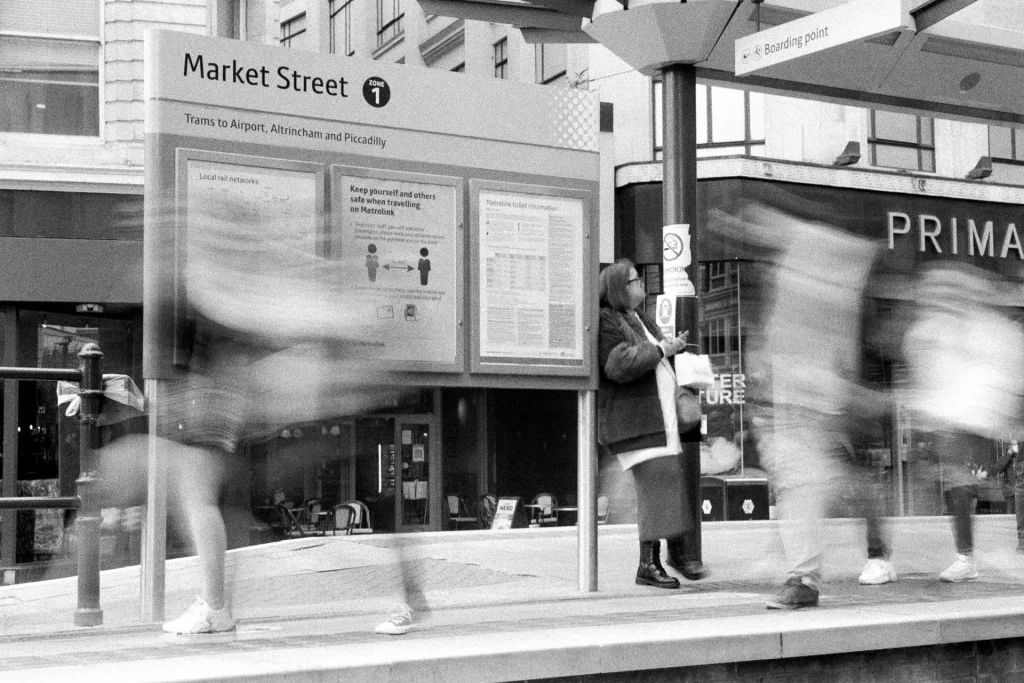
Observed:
{"x":485,"y":510}
{"x":457,"y":512}
{"x":316,"y":517}
{"x":543,"y":510}
{"x":361,"y":524}
{"x":343,"y":519}
{"x":290,"y":520}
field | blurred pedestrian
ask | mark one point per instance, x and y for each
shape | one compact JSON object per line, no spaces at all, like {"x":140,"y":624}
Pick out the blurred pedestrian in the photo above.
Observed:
{"x":1011,"y":466}
{"x":270,"y":324}
{"x":966,"y":359}
{"x":808,"y":353}
{"x":637,"y":421}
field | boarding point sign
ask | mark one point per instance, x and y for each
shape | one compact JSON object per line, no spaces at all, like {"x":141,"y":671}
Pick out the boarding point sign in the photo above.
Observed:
{"x":856,"y":20}
{"x":466,"y":240}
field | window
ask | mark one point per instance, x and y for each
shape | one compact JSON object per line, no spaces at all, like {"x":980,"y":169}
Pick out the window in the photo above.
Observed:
{"x":1006,"y":144}
{"x":718,"y":274}
{"x":49,"y":67}
{"x":551,"y":63}
{"x":389,"y":20}
{"x":729,"y":121}
{"x":341,"y":27}
{"x":501,"y":58}
{"x":716,"y":339}
{"x":902,"y":141}
{"x":293,"y":32}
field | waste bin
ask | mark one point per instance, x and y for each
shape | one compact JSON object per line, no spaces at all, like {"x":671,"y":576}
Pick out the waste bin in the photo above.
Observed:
{"x":746,"y":497}
{"x":712,"y":499}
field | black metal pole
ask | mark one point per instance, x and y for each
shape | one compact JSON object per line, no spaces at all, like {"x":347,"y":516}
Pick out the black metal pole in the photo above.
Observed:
{"x":87,"y":524}
{"x":679,"y":206}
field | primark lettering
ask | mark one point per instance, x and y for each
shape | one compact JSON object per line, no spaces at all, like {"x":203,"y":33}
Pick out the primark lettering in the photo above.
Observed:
{"x":970,"y":237}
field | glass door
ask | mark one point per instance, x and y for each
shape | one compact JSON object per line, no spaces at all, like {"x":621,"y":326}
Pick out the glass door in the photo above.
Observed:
{"x":417,"y":474}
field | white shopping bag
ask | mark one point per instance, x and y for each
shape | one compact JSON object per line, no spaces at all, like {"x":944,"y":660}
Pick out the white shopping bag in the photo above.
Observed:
{"x":693,"y":370}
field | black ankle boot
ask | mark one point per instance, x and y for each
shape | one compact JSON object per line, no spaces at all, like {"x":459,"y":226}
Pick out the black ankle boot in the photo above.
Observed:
{"x":691,"y":569}
{"x":650,"y":572}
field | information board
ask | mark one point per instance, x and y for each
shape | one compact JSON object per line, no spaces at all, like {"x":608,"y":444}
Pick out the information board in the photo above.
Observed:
{"x":361,"y":173}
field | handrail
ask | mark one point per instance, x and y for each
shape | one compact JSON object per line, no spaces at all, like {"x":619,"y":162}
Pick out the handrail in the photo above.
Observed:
{"x":42,"y":374}
{"x":89,"y":375}
{"x":41,"y":503}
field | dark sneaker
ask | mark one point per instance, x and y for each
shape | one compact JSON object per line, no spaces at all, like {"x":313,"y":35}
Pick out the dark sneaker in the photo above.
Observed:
{"x":795,"y":595}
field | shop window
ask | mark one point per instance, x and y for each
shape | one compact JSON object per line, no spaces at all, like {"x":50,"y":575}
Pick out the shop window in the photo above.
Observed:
{"x":551,"y":64}
{"x":341,"y":27}
{"x":501,"y":58}
{"x":1006,"y":144}
{"x":902,"y":141}
{"x":293,"y":32}
{"x":729,"y":121}
{"x":49,"y":67}
{"x":389,"y":20}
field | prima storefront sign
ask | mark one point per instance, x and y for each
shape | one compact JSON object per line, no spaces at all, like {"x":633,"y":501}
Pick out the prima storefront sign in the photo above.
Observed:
{"x":970,"y":236}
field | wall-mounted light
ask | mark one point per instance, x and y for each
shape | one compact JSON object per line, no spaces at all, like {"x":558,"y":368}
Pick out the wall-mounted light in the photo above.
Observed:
{"x":983,"y":169}
{"x":297,"y":433}
{"x":970,"y":81}
{"x":850,"y":154}
{"x":335,"y":430}
{"x":286,"y":434}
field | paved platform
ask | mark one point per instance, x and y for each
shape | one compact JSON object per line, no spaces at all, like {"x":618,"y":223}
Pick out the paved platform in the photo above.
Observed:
{"x":504,"y":606}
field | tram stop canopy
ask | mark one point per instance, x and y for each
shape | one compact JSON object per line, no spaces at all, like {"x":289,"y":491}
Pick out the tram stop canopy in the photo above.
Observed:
{"x":957,"y":58}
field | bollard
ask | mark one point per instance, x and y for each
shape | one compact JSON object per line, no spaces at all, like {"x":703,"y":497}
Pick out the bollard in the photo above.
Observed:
{"x":88,"y":521}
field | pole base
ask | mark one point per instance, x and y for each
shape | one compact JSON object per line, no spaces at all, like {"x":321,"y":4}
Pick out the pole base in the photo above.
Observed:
{"x":85,"y":616}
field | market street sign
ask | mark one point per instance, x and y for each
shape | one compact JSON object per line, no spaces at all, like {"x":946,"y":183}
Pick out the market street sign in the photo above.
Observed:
{"x":816,"y":32}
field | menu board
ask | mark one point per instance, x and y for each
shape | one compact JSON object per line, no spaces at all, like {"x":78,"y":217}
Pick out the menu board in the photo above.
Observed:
{"x":509,"y":514}
{"x":530,"y":278}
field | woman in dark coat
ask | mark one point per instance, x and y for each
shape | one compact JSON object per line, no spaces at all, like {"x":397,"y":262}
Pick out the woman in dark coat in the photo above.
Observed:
{"x":637,"y":422}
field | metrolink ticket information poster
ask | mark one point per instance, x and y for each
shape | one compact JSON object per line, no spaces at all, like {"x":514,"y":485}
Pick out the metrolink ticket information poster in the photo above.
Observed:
{"x":454,"y":213}
{"x":531,"y":288}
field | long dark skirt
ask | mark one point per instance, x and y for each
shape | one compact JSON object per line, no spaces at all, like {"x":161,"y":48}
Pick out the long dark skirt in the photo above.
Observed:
{"x":659,"y":497}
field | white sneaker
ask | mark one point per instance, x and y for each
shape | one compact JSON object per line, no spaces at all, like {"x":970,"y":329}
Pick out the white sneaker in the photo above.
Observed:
{"x":200,"y":618}
{"x":876,"y":572}
{"x":961,"y":570}
{"x":398,"y":624}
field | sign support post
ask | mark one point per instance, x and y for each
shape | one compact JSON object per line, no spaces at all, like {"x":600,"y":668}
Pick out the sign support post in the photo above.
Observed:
{"x":586,"y":495}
